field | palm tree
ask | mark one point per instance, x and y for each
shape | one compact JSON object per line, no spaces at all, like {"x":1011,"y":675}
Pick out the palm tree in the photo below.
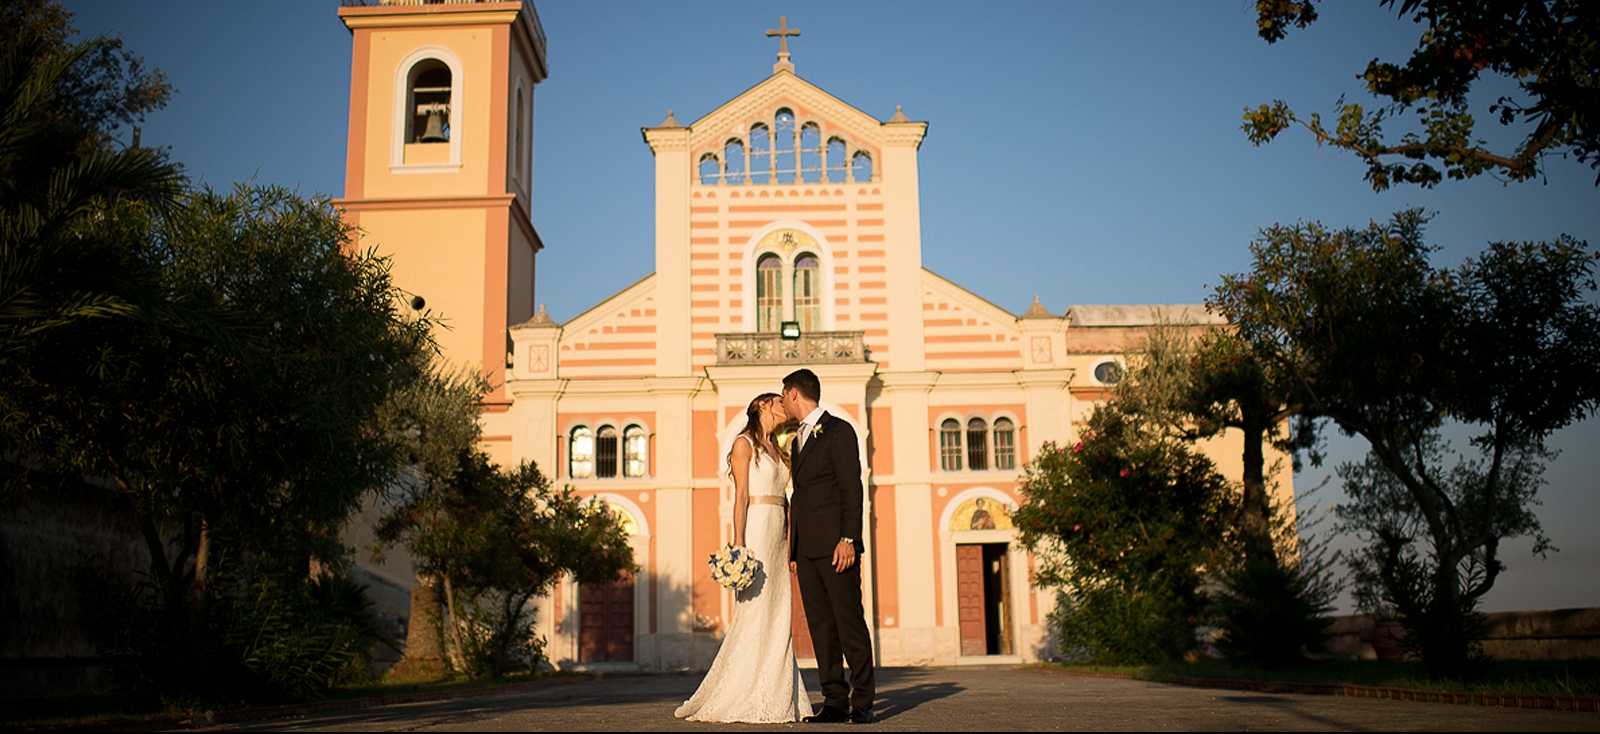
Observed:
{"x":60,"y":175}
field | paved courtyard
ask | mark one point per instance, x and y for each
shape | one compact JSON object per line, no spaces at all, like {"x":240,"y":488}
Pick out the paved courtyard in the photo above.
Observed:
{"x":938,"y":699}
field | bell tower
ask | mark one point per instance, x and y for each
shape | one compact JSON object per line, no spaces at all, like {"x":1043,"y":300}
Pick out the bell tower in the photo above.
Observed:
{"x":439,"y":164}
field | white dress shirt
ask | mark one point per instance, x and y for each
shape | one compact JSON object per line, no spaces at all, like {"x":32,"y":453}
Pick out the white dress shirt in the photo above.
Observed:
{"x":809,"y":423}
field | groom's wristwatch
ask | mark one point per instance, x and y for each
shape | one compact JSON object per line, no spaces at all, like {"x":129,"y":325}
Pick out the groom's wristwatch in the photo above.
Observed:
{"x":851,"y":541}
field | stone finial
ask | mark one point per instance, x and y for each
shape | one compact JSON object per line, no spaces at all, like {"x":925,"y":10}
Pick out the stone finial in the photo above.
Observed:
{"x":1037,"y":310}
{"x":900,"y":116}
{"x":670,"y":121}
{"x":541,"y":317}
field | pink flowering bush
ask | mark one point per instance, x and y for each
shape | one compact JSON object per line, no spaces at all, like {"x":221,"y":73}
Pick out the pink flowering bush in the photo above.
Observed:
{"x":1126,"y":523}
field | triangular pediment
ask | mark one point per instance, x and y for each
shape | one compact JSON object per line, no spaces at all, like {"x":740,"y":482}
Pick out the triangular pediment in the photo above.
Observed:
{"x":784,"y":89}
{"x":939,"y":286}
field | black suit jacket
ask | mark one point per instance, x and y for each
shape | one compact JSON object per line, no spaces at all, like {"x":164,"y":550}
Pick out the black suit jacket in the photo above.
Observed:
{"x":828,"y":495}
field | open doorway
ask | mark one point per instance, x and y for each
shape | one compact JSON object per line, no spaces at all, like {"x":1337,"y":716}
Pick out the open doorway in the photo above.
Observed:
{"x":982,"y":590}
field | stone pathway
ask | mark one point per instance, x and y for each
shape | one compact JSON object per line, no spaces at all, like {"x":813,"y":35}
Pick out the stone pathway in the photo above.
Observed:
{"x":938,"y":699}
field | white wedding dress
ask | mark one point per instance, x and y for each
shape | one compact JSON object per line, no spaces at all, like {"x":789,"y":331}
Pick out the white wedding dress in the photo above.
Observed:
{"x":754,"y":678}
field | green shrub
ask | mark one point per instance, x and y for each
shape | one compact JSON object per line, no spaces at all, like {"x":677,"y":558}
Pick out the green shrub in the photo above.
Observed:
{"x":497,"y":635}
{"x":289,"y":639}
{"x":1271,"y":610}
{"x":1113,"y":626}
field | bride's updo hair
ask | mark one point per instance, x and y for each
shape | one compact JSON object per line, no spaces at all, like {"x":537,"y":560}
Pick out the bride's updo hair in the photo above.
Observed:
{"x":752,"y":430}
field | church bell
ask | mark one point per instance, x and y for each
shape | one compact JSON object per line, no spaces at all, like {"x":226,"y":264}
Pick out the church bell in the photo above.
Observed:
{"x":434,"y":131}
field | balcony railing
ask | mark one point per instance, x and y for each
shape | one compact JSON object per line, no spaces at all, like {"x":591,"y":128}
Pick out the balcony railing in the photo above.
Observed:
{"x":821,"y":347}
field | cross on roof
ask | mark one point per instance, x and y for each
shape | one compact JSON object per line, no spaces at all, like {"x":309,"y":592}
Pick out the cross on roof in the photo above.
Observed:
{"x":782,"y":32}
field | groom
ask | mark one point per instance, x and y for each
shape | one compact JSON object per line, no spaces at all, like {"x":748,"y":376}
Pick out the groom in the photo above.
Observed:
{"x":825,"y":549}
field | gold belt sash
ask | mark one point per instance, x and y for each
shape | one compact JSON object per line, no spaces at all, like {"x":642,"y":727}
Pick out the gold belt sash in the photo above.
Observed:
{"x":769,"y":500}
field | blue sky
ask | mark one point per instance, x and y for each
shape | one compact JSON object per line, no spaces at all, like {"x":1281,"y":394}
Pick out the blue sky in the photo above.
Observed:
{"x":1086,"y":152}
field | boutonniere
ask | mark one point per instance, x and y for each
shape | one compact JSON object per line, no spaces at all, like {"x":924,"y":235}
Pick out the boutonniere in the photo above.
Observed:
{"x":815,"y":432}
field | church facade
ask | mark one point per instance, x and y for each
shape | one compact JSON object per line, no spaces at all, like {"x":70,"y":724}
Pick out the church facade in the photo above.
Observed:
{"x":787,"y":234}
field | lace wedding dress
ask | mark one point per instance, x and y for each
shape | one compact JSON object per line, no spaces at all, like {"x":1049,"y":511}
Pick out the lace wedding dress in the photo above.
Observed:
{"x":754,"y":678}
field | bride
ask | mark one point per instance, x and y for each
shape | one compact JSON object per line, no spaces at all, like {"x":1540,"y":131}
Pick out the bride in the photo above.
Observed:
{"x":754,"y":678}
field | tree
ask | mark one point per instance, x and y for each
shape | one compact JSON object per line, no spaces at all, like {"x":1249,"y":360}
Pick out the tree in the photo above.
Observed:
{"x":1394,"y":569}
{"x":496,"y":539}
{"x":1271,"y":602}
{"x":212,"y":362}
{"x":60,"y":104}
{"x":1125,"y":521}
{"x":490,"y":539}
{"x":1385,"y":345}
{"x":1195,"y":386}
{"x":235,"y":415}
{"x":1546,"y":46}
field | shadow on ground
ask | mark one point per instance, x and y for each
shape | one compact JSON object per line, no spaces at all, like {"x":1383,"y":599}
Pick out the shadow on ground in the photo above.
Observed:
{"x":1290,"y":707}
{"x":903,"y":689}
{"x":900,"y":690}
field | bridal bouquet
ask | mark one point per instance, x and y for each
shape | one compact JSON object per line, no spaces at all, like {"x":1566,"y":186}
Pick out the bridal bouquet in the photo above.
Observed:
{"x":733,"y":567}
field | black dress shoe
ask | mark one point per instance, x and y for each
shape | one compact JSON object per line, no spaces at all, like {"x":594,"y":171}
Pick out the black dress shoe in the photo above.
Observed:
{"x":861,"y":716}
{"x":828,"y":715}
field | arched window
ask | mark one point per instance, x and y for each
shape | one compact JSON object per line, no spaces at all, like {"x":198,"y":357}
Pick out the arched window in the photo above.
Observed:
{"x":635,"y":451}
{"x":1005,"y":444}
{"x":580,"y":453}
{"x":836,"y":158}
{"x":861,"y":167}
{"x":950,"y":445}
{"x":605,"y":449}
{"x":977,"y":444}
{"x":769,"y":292}
{"x":516,"y":161}
{"x":710,"y":169}
{"x":808,"y":292}
{"x":760,"y":153}
{"x":810,"y":153}
{"x":428,"y":107}
{"x":783,"y":144}
{"x":733,"y":153}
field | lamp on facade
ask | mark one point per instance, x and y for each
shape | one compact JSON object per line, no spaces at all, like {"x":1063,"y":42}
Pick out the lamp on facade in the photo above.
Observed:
{"x":790,"y":330}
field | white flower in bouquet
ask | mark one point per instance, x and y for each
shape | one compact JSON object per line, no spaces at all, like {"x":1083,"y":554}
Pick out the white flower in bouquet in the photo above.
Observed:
{"x":733,"y":567}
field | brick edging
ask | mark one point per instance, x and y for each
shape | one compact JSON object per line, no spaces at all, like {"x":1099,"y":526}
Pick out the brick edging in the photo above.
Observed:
{"x":1588,"y":704}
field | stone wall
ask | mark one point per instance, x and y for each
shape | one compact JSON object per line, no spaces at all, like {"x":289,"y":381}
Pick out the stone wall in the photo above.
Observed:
{"x":1551,"y":634}
{"x":63,"y":554}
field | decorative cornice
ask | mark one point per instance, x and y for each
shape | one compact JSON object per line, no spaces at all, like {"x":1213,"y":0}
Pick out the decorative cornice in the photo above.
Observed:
{"x":908,"y":381}
{"x":666,"y":138}
{"x":382,"y":16}
{"x":426,"y":202}
{"x":904,"y":133}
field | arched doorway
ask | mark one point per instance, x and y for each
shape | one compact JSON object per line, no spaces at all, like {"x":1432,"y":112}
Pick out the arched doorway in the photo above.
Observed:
{"x":984,"y":573}
{"x":608,"y":619}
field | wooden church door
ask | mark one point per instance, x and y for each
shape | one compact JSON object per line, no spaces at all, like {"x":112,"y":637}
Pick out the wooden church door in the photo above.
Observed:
{"x":970,"y":600}
{"x":605,"y":621}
